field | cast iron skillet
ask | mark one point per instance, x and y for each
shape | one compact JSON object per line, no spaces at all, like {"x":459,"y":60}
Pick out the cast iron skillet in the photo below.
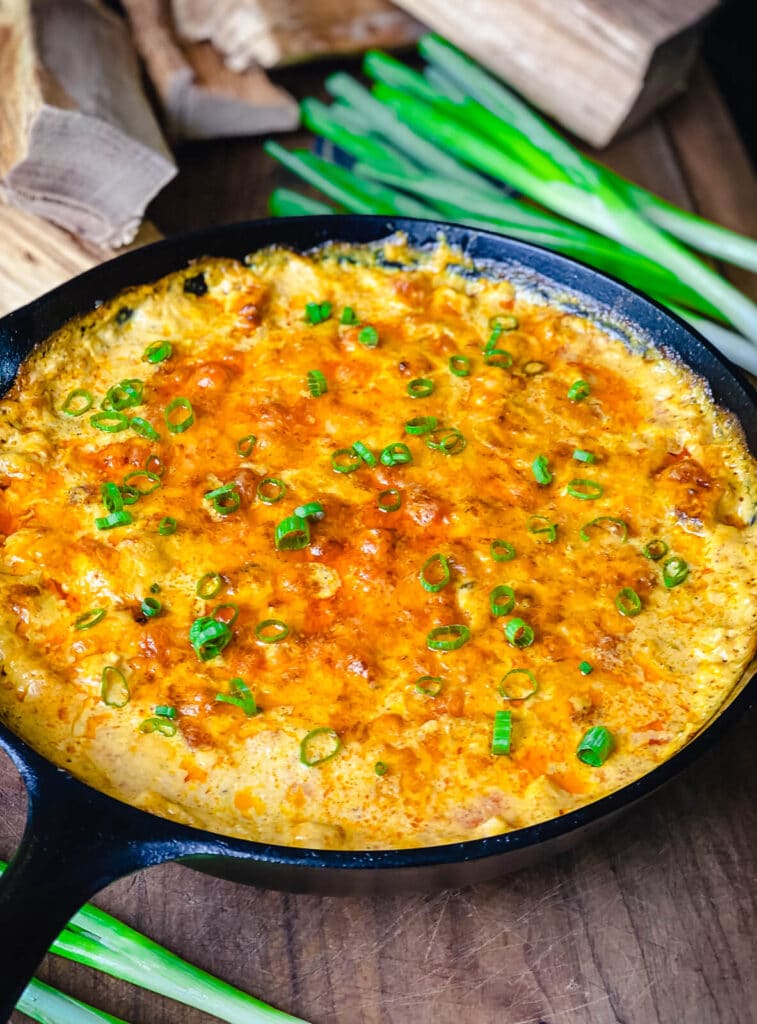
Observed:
{"x":77,"y":840}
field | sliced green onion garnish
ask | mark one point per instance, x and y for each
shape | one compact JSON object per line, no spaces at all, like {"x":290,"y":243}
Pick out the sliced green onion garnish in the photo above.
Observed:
{"x":114,"y":689}
{"x":245,"y":445}
{"x":130,"y":495}
{"x":540,"y":469}
{"x":621,"y":531}
{"x":586,"y":490}
{"x":517,"y":689}
{"x":581,"y":456}
{"x":365,"y":453}
{"x":420,"y":425}
{"x":209,"y":586}
{"x":533,"y":367}
{"x":271,"y":631}
{"x":502,"y":600}
{"x":317,"y":312}
{"x":152,"y":479}
{"x":209,"y":637}
{"x":220,"y":613}
{"x":292,"y":534}
{"x":503,"y":724}
{"x":596,"y":746}
{"x":124,"y":314}
{"x":154,"y":465}
{"x":429,"y":686}
{"x":674,"y":571}
{"x":240,"y":696}
{"x":271,"y":490}
{"x":397,"y":454}
{"x":124,"y":395}
{"x":542,"y":525}
{"x":448,"y":440}
{"x":498,"y":357}
{"x":122,"y":518}
{"x":492,"y":340}
{"x":502,"y":550}
{"x":390,"y":500}
{"x":369,"y":337}
{"x":77,"y":402}
{"x":503,"y":322}
{"x":151,"y":607}
{"x":89,"y":619}
{"x":438,"y":566}
{"x":317,"y":383}
{"x":159,"y":724}
{"x":310,"y":510}
{"x":578,"y":391}
{"x":628,"y":602}
{"x":319,"y":746}
{"x":348,"y":316}
{"x":447,"y":638}
{"x":519,"y":633}
{"x":158,"y":351}
{"x":585,"y":668}
{"x":655,"y":549}
{"x":183,"y":405}
{"x":111,"y":497}
{"x":460,"y":366}
{"x":380,"y":768}
{"x":165,"y":711}
{"x":346,"y":460}
{"x":421,"y":387}
{"x":110,"y":422}
{"x":167,"y":526}
{"x":155,"y":588}
{"x":143,"y":428}
{"x":225,"y":499}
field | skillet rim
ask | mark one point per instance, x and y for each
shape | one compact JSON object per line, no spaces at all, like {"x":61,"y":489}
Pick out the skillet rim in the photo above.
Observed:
{"x":723,"y":380}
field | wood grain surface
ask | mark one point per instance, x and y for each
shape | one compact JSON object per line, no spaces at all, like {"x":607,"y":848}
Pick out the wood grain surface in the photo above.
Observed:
{"x":652,"y":923}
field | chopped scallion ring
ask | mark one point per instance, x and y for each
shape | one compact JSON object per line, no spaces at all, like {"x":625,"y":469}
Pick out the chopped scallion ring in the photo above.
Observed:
{"x":581,"y":456}
{"x":159,"y":724}
{"x":311,"y":510}
{"x":114,"y":690}
{"x":586,"y":490}
{"x":165,"y":711}
{"x":540,"y":469}
{"x":621,"y":531}
{"x":628,"y":602}
{"x":158,"y":351}
{"x":368,"y":336}
{"x":674,"y":572}
{"x":397,"y":454}
{"x":271,"y":490}
{"x":502,"y":550}
{"x":420,"y":425}
{"x":596,"y":746}
{"x":240,"y":696}
{"x":439,"y":565}
{"x":459,"y":366}
{"x":245,"y":445}
{"x":498,"y":357}
{"x":579,"y":390}
{"x":130,"y":495}
{"x":380,"y":768}
{"x":225,"y":499}
{"x":111,"y":497}
{"x":89,"y":619}
{"x":519,"y":633}
{"x":154,"y":465}
{"x":155,"y":588}
{"x":220,"y":613}
{"x":502,"y":600}
{"x":143,"y":474}
{"x":319,"y":746}
{"x":124,"y":395}
{"x":655,"y":549}
{"x":292,"y":534}
{"x":533,"y":367}
{"x":77,"y":402}
{"x":585,"y":668}
{"x":182,"y":405}
{"x":447,"y":638}
{"x":345,"y":460}
{"x":167,"y":526}
{"x":264,"y":634}
{"x":429,"y":686}
{"x":503,"y":724}
{"x":317,"y":312}
{"x":317,"y":383}
{"x":514,"y":691}
{"x":447,"y":440}
{"x":151,"y":607}
{"x":113,"y":519}
{"x":348,"y":316}
{"x":110,"y":422}
{"x":504,"y":322}
{"x":365,"y":453}
{"x":124,"y":315}
{"x":209,"y":586}
{"x":421,"y":387}
{"x":143,"y":428}
{"x":541,"y":525}
{"x":390,"y":500}
{"x":209,"y":637}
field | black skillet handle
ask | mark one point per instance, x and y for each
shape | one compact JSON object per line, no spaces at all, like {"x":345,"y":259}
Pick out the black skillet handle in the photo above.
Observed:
{"x":76,"y":842}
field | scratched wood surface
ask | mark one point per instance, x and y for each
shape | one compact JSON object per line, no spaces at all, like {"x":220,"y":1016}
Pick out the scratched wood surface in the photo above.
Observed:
{"x":653,"y":923}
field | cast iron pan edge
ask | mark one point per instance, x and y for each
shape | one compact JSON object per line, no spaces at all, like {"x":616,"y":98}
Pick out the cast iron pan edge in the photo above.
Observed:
{"x":78,"y":840}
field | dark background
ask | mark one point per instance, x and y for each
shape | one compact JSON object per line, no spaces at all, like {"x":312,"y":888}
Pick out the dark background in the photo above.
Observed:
{"x":729,"y":50}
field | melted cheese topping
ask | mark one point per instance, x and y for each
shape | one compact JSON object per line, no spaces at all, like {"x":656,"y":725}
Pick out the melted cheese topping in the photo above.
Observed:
{"x":670,"y":465}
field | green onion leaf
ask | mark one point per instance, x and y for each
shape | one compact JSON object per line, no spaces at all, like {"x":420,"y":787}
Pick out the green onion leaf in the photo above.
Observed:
{"x":365,"y":453}
{"x":586,"y":490}
{"x":389,"y":500}
{"x":348,"y":316}
{"x":420,"y":425}
{"x":110,"y":422}
{"x":129,"y":495}
{"x":498,"y":357}
{"x":292,"y":534}
{"x":77,"y":402}
{"x":380,"y":768}
{"x":167,"y":526}
{"x":502,"y":550}
{"x":519,"y":633}
{"x":346,"y":460}
{"x":541,"y":525}
{"x":89,"y":619}
{"x":317,"y":312}
{"x":225,"y":499}
{"x":151,"y":607}
{"x":674,"y":571}
{"x":503,"y":723}
{"x":628,"y":602}
{"x":311,"y":510}
{"x":142,"y":428}
{"x":317,"y":383}
{"x":459,"y":366}
{"x":143,"y":474}
{"x":436,"y":564}
{"x":319,"y":746}
{"x":504,"y":322}
{"x":122,"y":518}
{"x":429,"y":686}
{"x":209,"y":586}
{"x":165,"y":711}
{"x":397,"y":454}
{"x":155,"y":588}
{"x":621,"y":531}
{"x":111,"y":497}
{"x":246,"y":444}
{"x":158,"y":351}
{"x":518,"y":689}
{"x":114,"y":689}
{"x":182,"y":405}
{"x":271,"y":490}
{"x":447,"y":638}
{"x":447,"y":440}
{"x":209,"y":637}
{"x":124,"y":395}
{"x":421,"y":387}
{"x":154,"y":465}
{"x":502,"y":600}
{"x":581,"y":456}
{"x":240,"y":696}
{"x":159,"y":724}
{"x":368,"y":336}
{"x":655,"y":549}
{"x":585,"y":668}
{"x":578,"y":391}
{"x":263,"y":631}
{"x":596,"y":746}
{"x":540,"y":469}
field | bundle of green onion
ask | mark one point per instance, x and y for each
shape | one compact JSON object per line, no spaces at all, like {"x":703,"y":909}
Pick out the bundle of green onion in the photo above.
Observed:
{"x":96,"y":939}
{"x":443,"y":143}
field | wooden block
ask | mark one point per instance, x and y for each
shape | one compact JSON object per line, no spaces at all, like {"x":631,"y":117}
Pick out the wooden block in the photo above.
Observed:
{"x":78,"y":141}
{"x":597,"y":66}
{"x":271,"y":32}
{"x":202,"y":98}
